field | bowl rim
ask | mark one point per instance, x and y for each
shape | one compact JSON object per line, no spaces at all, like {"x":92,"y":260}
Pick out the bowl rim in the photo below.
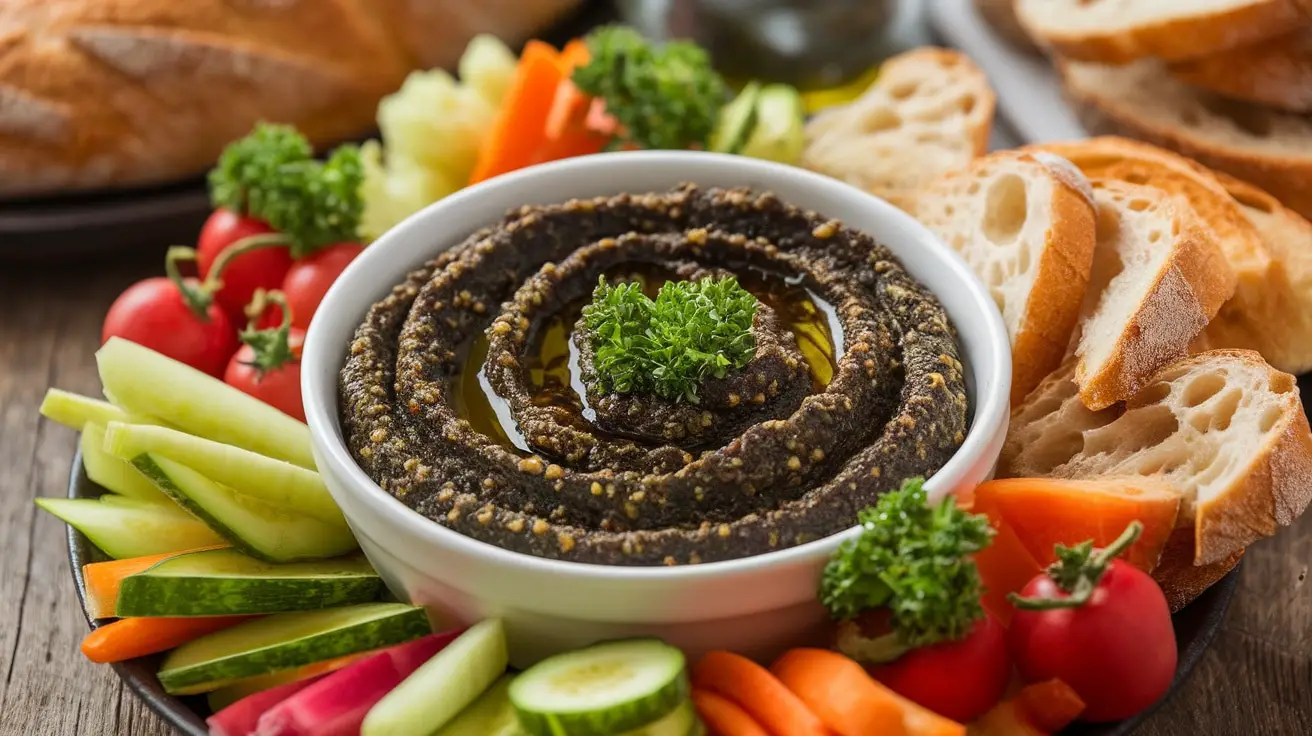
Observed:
{"x":991,"y":408}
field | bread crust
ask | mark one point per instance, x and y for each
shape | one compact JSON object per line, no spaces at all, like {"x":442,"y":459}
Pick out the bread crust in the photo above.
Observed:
{"x":1186,"y":36}
{"x":1181,"y":580}
{"x":1276,"y":73}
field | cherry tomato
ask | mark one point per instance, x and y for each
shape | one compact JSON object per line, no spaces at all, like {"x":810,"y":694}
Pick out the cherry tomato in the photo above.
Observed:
{"x":279,"y":387}
{"x":960,"y":680}
{"x":309,"y":279}
{"x":1117,"y":650}
{"x":153,"y":313}
{"x":263,"y":268}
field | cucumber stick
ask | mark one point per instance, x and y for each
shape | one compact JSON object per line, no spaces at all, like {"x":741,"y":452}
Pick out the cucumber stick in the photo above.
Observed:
{"x":443,"y":686}
{"x":604,"y":689}
{"x":143,"y":381}
{"x":737,"y":121}
{"x":224,"y":582}
{"x":256,"y":527}
{"x":779,"y":133}
{"x":75,"y":410}
{"x":134,"y":529}
{"x":111,"y":473}
{"x":490,"y":715}
{"x":682,"y":721}
{"x":274,"y":481}
{"x":288,"y":640}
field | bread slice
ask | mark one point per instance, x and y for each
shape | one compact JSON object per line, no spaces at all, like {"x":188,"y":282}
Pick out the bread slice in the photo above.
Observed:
{"x":1281,"y":327}
{"x":1120,"y":31}
{"x":930,"y":112}
{"x":1223,"y":426}
{"x":1180,"y":579}
{"x":1276,"y":73}
{"x":1158,"y":277}
{"x":1024,"y":223}
{"x":1268,"y":148}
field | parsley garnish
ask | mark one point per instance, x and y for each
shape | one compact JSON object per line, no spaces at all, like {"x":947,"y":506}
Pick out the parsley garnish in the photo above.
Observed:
{"x":692,"y":331}
{"x":914,"y":560}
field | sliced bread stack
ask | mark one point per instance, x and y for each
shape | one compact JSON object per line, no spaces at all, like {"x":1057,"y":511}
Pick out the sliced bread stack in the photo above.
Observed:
{"x":1225,"y":82}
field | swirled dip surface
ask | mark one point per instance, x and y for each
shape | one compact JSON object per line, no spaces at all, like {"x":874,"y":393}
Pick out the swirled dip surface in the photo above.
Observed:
{"x":767,"y":458}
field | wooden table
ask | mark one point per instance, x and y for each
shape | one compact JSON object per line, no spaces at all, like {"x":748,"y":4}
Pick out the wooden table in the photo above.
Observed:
{"x":1255,"y":681}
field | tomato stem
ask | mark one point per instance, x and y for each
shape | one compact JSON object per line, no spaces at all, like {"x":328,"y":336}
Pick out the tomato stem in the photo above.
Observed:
{"x":196,"y":296}
{"x":1078,"y":570}
{"x":214,"y":279}
{"x":271,"y":348}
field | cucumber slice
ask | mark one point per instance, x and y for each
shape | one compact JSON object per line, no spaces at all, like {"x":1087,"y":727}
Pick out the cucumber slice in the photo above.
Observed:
{"x":135,"y":529}
{"x":601,"y":690}
{"x":255,"y":527}
{"x":779,"y":134}
{"x":75,"y":410}
{"x":737,"y":121}
{"x":111,"y":473}
{"x":285,"y":641}
{"x":682,"y":721}
{"x":490,"y":715}
{"x":279,"y":483}
{"x":224,"y":582}
{"x":143,"y":381}
{"x":444,"y":685}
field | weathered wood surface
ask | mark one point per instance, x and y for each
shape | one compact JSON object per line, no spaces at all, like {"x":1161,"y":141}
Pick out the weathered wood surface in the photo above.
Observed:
{"x":1255,"y":681}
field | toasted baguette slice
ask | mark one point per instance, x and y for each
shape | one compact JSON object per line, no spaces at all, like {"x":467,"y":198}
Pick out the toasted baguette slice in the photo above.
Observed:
{"x":930,"y":112}
{"x":1280,"y":328}
{"x":1276,"y":73}
{"x":1180,"y":579}
{"x":1226,"y":428}
{"x":1269,"y":148}
{"x":1158,"y":277}
{"x":1120,"y":31}
{"x":1024,"y":223}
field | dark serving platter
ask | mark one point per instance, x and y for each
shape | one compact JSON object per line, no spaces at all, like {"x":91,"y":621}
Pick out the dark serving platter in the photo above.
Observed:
{"x":1194,"y":629}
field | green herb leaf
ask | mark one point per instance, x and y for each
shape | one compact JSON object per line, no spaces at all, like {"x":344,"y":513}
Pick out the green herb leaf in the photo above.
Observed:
{"x":666,"y":97}
{"x":271,"y":175}
{"x":913,"y":559}
{"x":694,"y":330}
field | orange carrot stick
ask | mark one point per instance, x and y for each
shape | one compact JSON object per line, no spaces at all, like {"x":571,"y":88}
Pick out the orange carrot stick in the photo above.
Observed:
{"x":752,"y":688}
{"x":129,"y":638}
{"x":103,"y":579}
{"x":850,"y":702}
{"x":724,"y":718}
{"x":1050,"y":706}
{"x":520,"y":127}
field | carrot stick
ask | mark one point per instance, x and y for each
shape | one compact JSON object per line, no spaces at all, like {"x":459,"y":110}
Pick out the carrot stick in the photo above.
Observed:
{"x":724,"y":718}
{"x":1050,"y":706}
{"x":129,"y":638}
{"x":752,"y":688}
{"x":520,"y":127}
{"x":850,"y":702}
{"x":1005,"y":566}
{"x":567,"y":131}
{"x":103,"y":579}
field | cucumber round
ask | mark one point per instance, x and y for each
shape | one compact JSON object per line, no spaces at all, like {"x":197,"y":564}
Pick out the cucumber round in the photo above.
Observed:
{"x":604,"y":689}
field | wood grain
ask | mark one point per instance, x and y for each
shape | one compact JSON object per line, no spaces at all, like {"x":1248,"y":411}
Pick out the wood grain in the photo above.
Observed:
{"x":1255,"y":681}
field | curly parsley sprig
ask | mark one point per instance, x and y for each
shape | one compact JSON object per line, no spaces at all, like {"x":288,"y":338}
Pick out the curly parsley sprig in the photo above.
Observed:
{"x":692,"y":331}
{"x":912,"y":559}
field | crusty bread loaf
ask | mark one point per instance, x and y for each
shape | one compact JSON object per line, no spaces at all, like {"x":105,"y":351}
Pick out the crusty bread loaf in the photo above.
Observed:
{"x":1180,"y":579}
{"x":1223,"y":426}
{"x":930,"y":112}
{"x":1024,"y":223}
{"x":1158,"y":276}
{"x":119,"y":93}
{"x":1119,"y":31}
{"x":1277,"y":73}
{"x":1269,"y":148}
{"x":1001,"y":17}
{"x":1281,"y":328}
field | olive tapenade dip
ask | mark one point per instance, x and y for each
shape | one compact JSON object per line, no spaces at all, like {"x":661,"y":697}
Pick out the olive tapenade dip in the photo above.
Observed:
{"x":474,"y":394}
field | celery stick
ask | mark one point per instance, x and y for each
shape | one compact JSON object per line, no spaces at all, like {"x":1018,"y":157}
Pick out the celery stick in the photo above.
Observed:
{"x":142,"y":381}
{"x":75,"y":410}
{"x":113,"y":474}
{"x":273,"y":481}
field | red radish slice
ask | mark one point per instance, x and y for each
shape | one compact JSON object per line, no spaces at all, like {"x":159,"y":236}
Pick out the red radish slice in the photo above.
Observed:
{"x":240,"y":718}
{"x":337,"y":704}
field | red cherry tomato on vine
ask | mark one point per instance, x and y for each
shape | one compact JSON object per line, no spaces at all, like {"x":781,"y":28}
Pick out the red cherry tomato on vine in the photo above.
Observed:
{"x":309,"y":279}
{"x":1117,"y":651}
{"x":960,"y":680}
{"x":279,"y":387}
{"x":262,"y":268}
{"x":154,"y":314}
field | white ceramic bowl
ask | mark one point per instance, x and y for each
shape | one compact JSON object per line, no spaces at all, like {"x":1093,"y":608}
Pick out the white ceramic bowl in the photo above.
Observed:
{"x":756,"y":605}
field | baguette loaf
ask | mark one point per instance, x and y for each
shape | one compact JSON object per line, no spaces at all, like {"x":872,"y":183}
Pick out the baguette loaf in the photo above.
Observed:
{"x":120,"y":93}
{"x":1276,"y":73}
{"x":930,"y":112}
{"x":1120,"y":31}
{"x":1223,"y":426}
{"x":1024,"y":223}
{"x":1269,"y":148}
{"x":1158,"y":276}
